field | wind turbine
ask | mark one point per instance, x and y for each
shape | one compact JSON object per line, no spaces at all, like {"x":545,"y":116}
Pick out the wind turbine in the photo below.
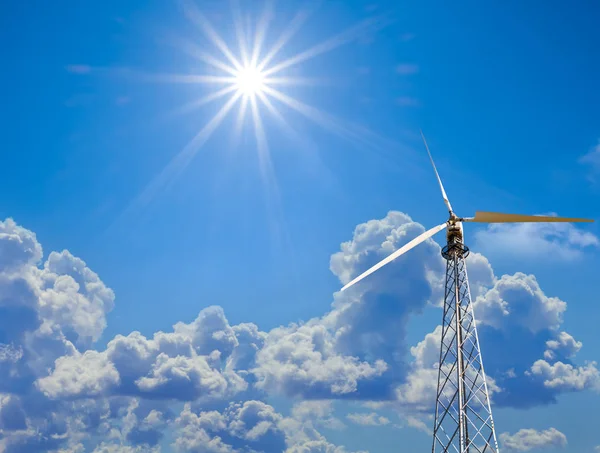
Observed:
{"x":463,"y":415}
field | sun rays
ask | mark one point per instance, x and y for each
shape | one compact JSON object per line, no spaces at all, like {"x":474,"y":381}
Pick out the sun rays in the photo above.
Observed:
{"x":250,"y":80}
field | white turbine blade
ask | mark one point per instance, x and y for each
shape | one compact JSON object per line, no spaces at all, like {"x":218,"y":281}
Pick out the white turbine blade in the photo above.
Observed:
{"x":446,"y":200}
{"x":496,"y":217}
{"x":405,"y":248}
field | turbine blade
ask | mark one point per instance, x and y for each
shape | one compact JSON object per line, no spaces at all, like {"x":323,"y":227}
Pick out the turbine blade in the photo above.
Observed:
{"x":405,"y":248}
{"x":496,"y":217}
{"x":446,"y":200}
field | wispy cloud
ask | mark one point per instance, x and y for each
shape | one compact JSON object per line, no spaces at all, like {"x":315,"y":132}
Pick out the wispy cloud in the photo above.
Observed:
{"x":408,"y":101}
{"x":592,"y":158}
{"x":122,"y":100}
{"x":555,"y":241}
{"x":79,"y":100}
{"x":78,"y":68}
{"x":407,"y":37}
{"x":407,"y":68}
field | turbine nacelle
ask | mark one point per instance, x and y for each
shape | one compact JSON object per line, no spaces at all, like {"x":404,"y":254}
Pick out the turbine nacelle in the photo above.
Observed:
{"x":454,"y":231}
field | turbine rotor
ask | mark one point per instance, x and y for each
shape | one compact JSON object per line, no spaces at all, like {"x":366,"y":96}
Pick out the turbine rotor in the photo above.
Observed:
{"x":454,"y":227}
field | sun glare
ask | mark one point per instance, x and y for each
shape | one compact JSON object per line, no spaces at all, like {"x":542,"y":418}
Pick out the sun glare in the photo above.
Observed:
{"x":250,"y":81}
{"x":252,"y":78}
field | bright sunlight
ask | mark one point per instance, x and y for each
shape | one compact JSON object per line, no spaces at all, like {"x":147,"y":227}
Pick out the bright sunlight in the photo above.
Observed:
{"x":249,"y":81}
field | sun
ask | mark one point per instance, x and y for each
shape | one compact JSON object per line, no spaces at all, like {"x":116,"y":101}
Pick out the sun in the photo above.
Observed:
{"x":253,"y":78}
{"x":250,"y":81}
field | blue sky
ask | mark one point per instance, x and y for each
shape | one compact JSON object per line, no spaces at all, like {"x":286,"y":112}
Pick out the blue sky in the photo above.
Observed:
{"x":507,"y":98}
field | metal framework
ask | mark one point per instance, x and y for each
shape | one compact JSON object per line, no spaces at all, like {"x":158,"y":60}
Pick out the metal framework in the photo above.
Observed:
{"x":463,"y":416}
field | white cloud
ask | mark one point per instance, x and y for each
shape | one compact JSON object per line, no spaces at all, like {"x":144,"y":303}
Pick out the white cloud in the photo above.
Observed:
{"x":318,"y":413}
{"x":12,"y":416}
{"x":518,"y":300}
{"x":250,"y":340}
{"x":57,"y":393}
{"x":539,"y":241}
{"x":64,"y":297}
{"x":301,"y":360}
{"x":566,"y":377}
{"x":416,"y":396}
{"x":18,"y":247}
{"x":530,"y":439}
{"x":209,"y":332}
{"x":10,"y":353}
{"x":75,"y":296}
{"x":564,"y":345}
{"x":427,"y":351}
{"x":251,"y":426}
{"x":480,"y":273}
{"x":358,"y":348}
{"x":89,"y":374}
{"x":191,"y":375}
{"x":417,"y":423}
{"x":317,"y":446}
{"x":370,"y":419}
{"x":116,"y":448}
{"x":169,"y":365}
{"x":592,"y":158}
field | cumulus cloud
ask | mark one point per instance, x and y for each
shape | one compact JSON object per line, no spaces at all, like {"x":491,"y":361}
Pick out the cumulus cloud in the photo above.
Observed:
{"x":252,"y":423}
{"x":564,"y":345}
{"x":89,"y":374}
{"x":251,"y":426}
{"x":18,"y":247}
{"x":370,"y":319}
{"x":566,"y":377}
{"x":357,"y":350}
{"x":547,"y":241}
{"x":185,"y":364}
{"x":530,"y":439}
{"x":46,"y":312}
{"x":518,"y":301}
{"x":60,"y":393}
{"x":303,"y":361}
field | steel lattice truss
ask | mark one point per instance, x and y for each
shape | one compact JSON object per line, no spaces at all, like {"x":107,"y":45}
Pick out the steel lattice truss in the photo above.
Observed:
{"x":463,"y":416}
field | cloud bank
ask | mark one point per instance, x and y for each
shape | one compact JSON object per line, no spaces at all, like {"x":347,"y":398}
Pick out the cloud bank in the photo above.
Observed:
{"x":203,"y":386}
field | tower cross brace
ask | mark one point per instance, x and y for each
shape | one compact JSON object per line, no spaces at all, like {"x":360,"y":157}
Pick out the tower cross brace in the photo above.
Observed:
{"x":463,"y":415}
